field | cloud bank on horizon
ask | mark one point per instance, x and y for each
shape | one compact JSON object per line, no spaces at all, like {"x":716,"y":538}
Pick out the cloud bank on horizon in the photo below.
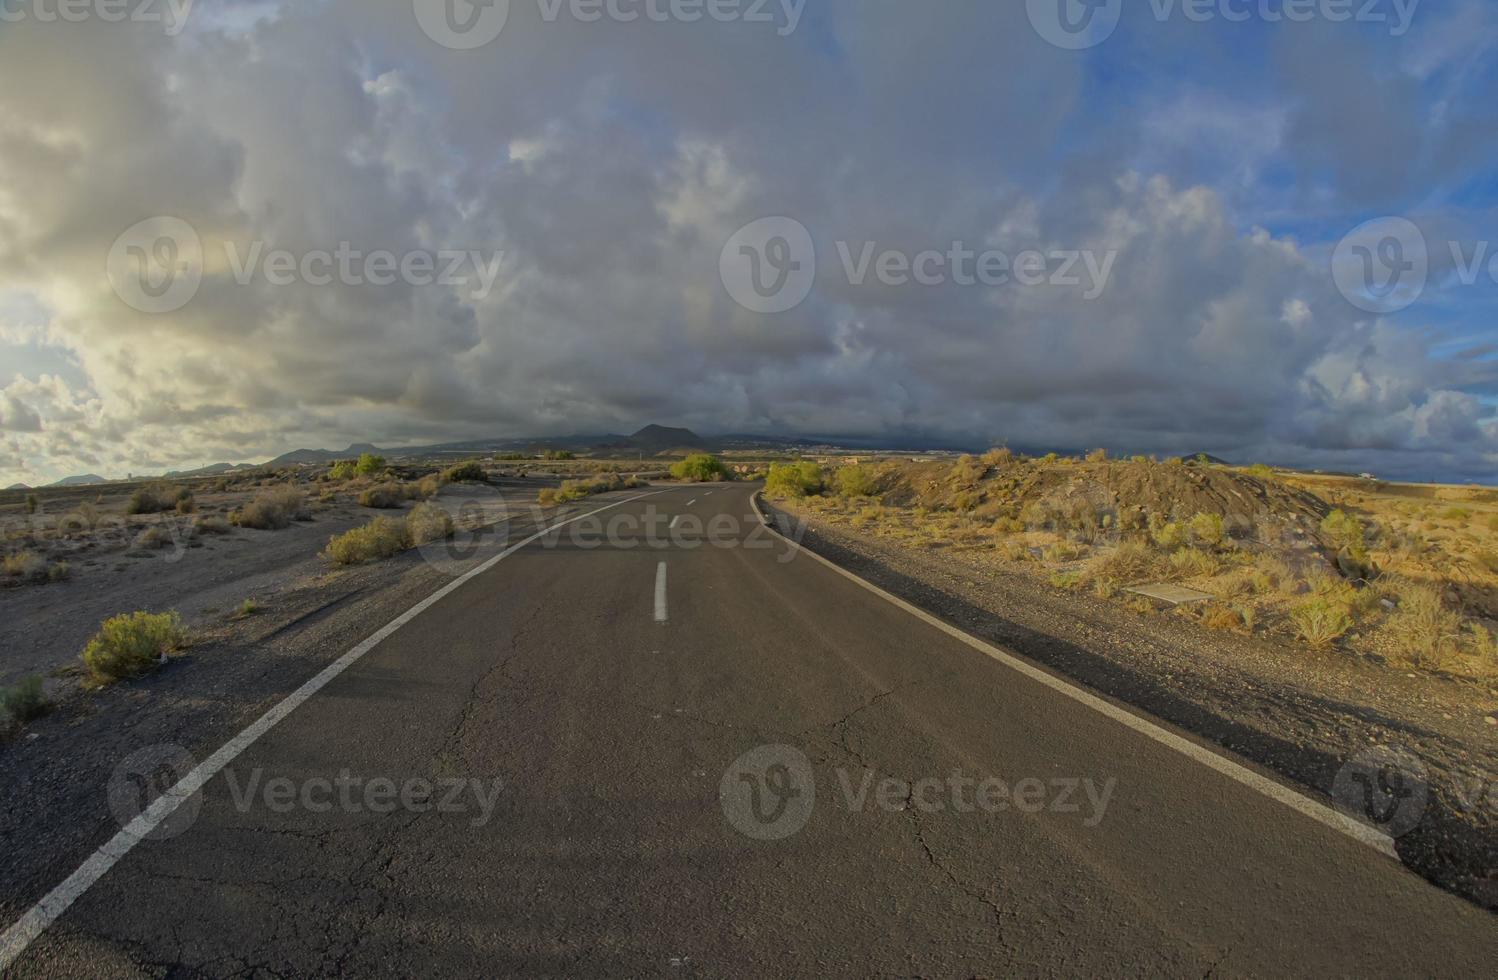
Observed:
{"x":580,"y":179}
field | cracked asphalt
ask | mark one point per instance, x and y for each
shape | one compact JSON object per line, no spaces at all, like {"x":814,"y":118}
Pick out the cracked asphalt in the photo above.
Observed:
{"x":609,"y":850}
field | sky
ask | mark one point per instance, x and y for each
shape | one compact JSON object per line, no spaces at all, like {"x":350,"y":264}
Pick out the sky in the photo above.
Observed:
{"x":1256,"y":228}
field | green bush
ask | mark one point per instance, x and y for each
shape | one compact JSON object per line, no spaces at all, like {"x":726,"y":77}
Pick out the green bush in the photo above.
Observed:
{"x":700,"y":468}
{"x":370,"y":465}
{"x":1321,"y":622}
{"x":1261,"y":472}
{"x":856,"y":481}
{"x":1207,"y":530}
{"x":32,"y":503}
{"x":25,"y":701}
{"x":343,"y":471}
{"x":428,"y":522}
{"x":1169,"y":536}
{"x":560,"y":455}
{"x":469,"y":472}
{"x":1346,"y":533}
{"x":130,"y":645}
{"x":802,"y":479}
{"x":380,"y":538}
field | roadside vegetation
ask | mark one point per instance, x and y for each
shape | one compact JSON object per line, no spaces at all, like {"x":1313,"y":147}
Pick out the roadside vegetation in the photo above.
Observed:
{"x":131,"y":645}
{"x":385,"y":537}
{"x":24,"y":702}
{"x":700,"y":468}
{"x":1411,"y":584}
{"x":574,"y":490}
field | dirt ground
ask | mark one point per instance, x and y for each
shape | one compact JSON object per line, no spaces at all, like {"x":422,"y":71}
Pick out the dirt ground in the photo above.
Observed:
{"x":204,"y":576}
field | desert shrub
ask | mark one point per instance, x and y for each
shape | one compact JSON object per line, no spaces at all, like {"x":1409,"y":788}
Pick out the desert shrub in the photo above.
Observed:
{"x":1345,"y":533}
{"x":1272,"y":575}
{"x":83,"y":517}
{"x":1062,"y":552}
{"x":26,"y":701}
{"x":130,"y":645}
{"x":1223,"y":618}
{"x":1050,"y":458}
{"x":1169,"y":536}
{"x":32,"y":503}
{"x":187,"y":505}
{"x":385,"y":496}
{"x":469,"y":472}
{"x":428,"y":487}
{"x":154,"y":538}
{"x":559,"y":455}
{"x":1260,"y":471}
{"x":1067,"y":580}
{"x":802,"y":479}
{"x":1191,"y":563}
{"x":1456,"y":514}
{"x":549,"y":497}
{"x":1493,"y":523}
{"x":1098,"y":456}
{"x":700,"y":468}
{"x":1008,"y":525}
{"x":1207,"y":530}
{"x":154,"y":498}
{"x":58,"y":571}
{"x":966,"y":501}
{"x":854,"y":481}
{"x":428,"y":522}
{"x":380,"y":538}
{"x":343,"y":471}
{"x":211,"y":524}
{"x":28,"y":566}
{"x":1424,"y":632}
{"x":1001,"y":456}
{"x":1130,"y":563}
{"x":272,"y":509}
{"x":1321,"y":622}
{"x":370,"y":465}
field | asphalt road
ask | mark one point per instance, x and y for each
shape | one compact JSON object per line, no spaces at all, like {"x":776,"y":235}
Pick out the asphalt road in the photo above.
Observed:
{"x":595,"y":767}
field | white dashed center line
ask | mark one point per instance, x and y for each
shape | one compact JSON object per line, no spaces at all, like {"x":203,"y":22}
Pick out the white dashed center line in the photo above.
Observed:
{"x":660,"y":593}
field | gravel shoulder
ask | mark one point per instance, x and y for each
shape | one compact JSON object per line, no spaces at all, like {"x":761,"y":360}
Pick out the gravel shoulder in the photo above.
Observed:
{"x":53,"y":774}
{"x":1299,"y":713}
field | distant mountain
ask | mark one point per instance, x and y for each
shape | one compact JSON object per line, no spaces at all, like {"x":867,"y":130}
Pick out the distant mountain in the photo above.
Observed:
{"x":86,"y":480}
{"x":660,"y":437}
{"x":299,"y":456}
{"x":213,"y":470}
{"x":18,"y":486}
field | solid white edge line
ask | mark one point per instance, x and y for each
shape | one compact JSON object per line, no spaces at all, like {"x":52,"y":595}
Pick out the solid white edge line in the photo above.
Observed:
{"x":25,"y":930}
{"x":692,"y":501}
{"x":660,"y":593}
{"x":1320,"y":812}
